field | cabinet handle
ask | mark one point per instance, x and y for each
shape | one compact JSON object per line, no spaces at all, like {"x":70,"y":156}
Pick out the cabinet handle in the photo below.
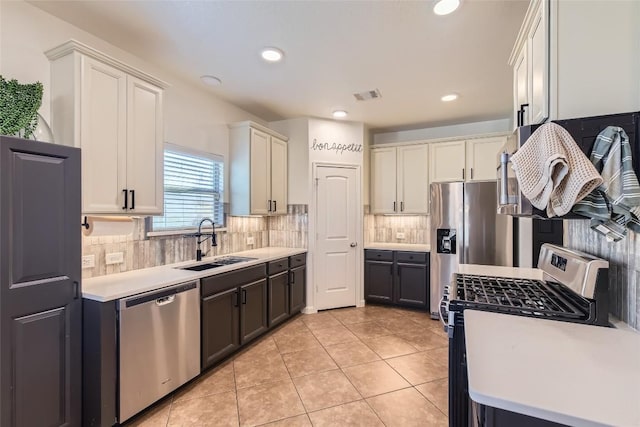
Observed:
{"x":244,"y":296}
{"x":521,"y":114}
{"x":133,"y":199}
{"x":269,"y":202}
{"x":463,"y":174}
{"x":275,"y":206}
{"x":292,"y":278}
{"x":394,"y":206}
{"x":125,"y":193}
{"x":471,"y":173}
{"x":76,"y":289}
{"x":235,"y":299}
{"x":401,"y":206}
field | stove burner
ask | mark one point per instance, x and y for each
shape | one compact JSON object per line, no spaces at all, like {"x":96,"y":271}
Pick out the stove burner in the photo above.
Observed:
{"x":524,"y":296}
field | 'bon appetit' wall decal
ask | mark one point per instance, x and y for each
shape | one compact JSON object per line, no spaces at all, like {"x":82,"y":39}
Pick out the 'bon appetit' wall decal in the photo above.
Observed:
{"x":337,"y":148}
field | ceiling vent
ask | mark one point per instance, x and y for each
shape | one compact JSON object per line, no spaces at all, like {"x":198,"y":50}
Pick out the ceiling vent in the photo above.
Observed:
{"x":367,"y":95}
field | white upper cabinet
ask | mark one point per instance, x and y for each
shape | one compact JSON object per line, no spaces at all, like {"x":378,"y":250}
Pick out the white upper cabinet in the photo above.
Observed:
{"x":520,"y":86}
{"x":383,"y":180}
{"x":473,"y":159}
{"x":447,"y":161}
{"x":114,"y":114}
{"x":482,"y":158}
{"x":538,"y":91}
{"x":413,"y":179}
{"x":258,"y":160}
{"x":145,"y":151}
{"x":278,"y":175}
{"x":400,"y":180}
{"x":530,"y":62}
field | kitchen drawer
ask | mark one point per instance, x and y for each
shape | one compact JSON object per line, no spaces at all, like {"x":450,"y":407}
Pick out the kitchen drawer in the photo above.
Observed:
{"x":374,"y":254}
{"x":278,"y":266}
{"x":222,"y":282}
{"x":414,"y":257}
{"x":297,"y":260}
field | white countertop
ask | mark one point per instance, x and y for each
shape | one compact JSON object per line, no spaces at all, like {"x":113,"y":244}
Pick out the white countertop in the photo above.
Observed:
{"x":575,"y":374}
{"x":497,"y":271}
{"x":121,"y":285}
{"x":409,"y":247}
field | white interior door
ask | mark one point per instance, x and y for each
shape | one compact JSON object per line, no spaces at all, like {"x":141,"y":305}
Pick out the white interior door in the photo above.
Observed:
{"x":336,"y":237}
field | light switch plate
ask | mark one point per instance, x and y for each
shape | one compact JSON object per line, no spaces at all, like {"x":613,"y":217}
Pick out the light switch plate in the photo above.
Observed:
{"x":88,"y":261}
{"x":399,"y":235}
{"x":250,"y":241}
{"x":115,"y":258}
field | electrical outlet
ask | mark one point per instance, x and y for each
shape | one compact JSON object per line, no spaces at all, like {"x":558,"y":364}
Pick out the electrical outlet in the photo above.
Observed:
{"x":250,"y":241}
{"x":88,"y":261}
{"x":399,"y":235}
{"x":115,"y":258}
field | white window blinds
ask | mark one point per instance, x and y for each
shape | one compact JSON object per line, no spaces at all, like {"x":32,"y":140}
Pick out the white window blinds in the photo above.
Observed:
{"x":193,"y":189}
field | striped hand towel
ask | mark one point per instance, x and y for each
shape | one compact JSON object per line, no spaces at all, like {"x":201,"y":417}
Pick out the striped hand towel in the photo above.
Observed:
{"x":615,"y":205}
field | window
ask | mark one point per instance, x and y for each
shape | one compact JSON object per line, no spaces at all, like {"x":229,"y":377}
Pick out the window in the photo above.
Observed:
{"x":193,"y":189}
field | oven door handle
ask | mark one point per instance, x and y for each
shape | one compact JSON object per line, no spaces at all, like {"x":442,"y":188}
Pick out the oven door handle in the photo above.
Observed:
{"x":441,"y":306}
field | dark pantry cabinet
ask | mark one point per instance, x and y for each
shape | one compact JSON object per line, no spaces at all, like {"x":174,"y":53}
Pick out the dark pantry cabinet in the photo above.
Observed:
{"x":40,"y":271}
{"x":397,"y":277}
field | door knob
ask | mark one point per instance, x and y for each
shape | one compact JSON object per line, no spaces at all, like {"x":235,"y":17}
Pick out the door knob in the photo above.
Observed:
{"x":353,"y":245}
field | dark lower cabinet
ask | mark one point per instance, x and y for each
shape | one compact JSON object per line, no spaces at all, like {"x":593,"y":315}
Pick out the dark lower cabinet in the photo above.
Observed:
{"x":411,"y":289}
{"x":278,"y":298}
{"x":253,"y":312}
{"x":40,"y":271}
{"x":396,"y":277}
{"x":297,"y":288}
{"x":220,"y":326}
{"x":378,"y":281}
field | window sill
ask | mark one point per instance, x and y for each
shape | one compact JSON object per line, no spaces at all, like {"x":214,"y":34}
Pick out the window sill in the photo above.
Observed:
{"x":165,"y":233}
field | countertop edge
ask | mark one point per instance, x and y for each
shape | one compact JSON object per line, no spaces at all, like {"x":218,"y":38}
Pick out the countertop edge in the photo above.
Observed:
{"x":530,"y":410}
{"x":406,"y":247}
{"x":183,"y":275}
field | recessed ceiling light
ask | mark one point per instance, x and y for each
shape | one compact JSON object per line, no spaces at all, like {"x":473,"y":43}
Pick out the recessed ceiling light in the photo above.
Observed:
{"x":445,"y":7}
{"x":339,"y":114}
{"x":211,"y":80}
{"x":272,"y":54}
{"x":450,"y":97}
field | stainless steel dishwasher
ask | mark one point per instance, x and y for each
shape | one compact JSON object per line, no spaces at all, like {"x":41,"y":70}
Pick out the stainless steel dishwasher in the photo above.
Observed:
{"x":159,"y":344}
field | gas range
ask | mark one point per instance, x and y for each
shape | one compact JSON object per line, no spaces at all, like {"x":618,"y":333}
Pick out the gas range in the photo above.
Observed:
{"x":574,"y":288}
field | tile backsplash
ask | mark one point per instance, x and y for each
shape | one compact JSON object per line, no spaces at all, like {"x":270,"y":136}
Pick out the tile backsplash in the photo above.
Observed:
{"x":384,"y":228}
{"x":624,"y":267}
{"x":141,"y":251}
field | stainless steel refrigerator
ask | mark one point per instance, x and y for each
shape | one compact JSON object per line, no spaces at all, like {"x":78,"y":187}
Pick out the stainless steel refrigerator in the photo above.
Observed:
{"x":465,"y":229}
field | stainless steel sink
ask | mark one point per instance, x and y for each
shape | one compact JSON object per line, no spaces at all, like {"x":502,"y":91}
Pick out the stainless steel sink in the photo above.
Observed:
{"x":220,"y":262}
{"x":200,"y":267}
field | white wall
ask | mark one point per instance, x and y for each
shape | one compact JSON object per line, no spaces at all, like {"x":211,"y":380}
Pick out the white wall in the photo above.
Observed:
{"x":194,"y":116}
{"x":453,"y":131}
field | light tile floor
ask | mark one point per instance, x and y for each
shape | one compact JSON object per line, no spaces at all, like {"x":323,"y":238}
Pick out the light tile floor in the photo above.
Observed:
{"x":370,"y":366}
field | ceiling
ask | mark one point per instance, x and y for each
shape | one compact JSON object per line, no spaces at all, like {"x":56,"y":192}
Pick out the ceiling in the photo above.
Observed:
{"x":332,"y":50}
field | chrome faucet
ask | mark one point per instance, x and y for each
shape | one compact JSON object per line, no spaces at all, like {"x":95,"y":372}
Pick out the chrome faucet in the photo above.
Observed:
{"x":200,"y":240}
